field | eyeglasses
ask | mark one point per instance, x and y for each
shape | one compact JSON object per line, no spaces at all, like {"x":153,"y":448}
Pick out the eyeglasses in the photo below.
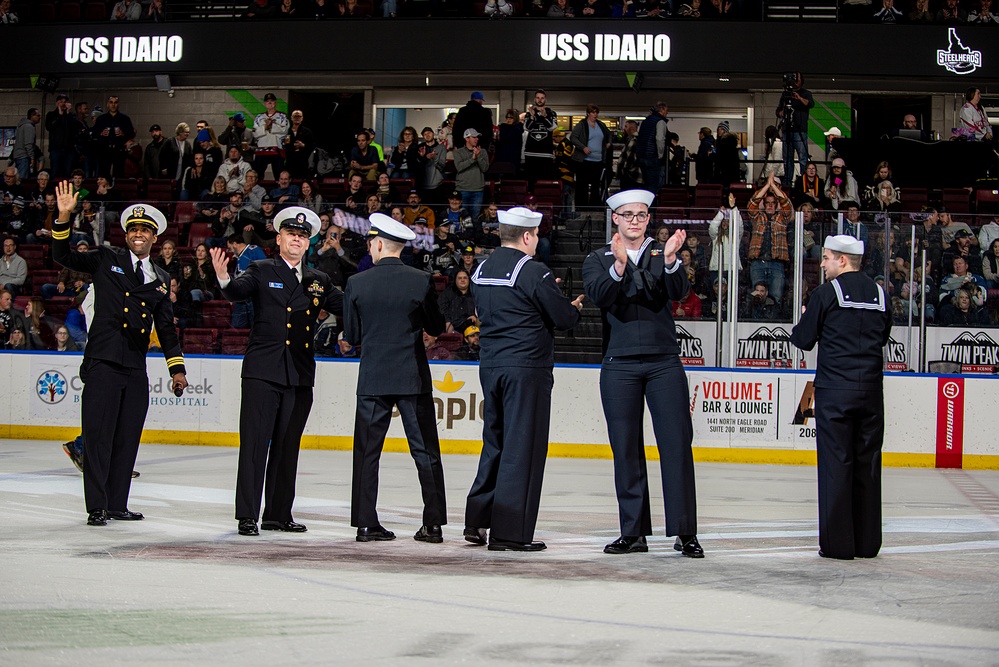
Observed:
{"x":628,"y":216}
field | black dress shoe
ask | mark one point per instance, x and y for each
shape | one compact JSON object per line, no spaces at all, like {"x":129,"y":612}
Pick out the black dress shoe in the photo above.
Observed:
{"x":127,"y":515}
{"x":374,"y":534}
{"x":507,"y":545}
{"x":688,"y":546}
{"x":248,"y":527}
{"x":476,"y":536}
{"x":286,"y":526}
{"x":432,"y":534}
{"x":135,"y":473}
{"x":627,"y":544}
{"x":97,"y":518}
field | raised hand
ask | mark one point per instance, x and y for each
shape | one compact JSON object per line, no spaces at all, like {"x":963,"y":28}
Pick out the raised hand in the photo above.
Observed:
{"x":66,"y":199}
{"x":673,"y":245}
{"x":620,"y":254}
{"x":220,"y":262}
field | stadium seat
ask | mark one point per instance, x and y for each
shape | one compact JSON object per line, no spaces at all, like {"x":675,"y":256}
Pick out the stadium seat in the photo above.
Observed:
{"x":216,"y":314}
{"x":234,"y":341}
{"x":199,"y":233}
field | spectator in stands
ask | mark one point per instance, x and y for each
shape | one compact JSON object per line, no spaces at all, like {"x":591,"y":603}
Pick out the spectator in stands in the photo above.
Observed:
{"x":232,"y":219}
{"x":990,"y":264}
{"x":650,"y":147}
{"x":168,"y":259}
{"x":690,"y":306}
{"x":759,"y":305}
{"x":594,"y":9}
{"x":471,"y":162}
{"x":244,"y":254}
{"x":151,"y":158}
{"x":353,"y":9}
{"x":961,"y":311}
{"x":888,"y":13}
{"x":6,"y":15}
{"x":952,"y":13}
{"x":18,"y":223}
{"x":949,"y":227}
{"x":445,"y":135}
{"x":69,"y":282}
{"x":416,"y":213}
{"x":727,"y":162}
{"x":212,"y":204}
{"x":22,"y":155}
{"x":841,"y":186}
{"x":111,"y":131}
{"x":18,"y":339}
{"x":126,"y":10}
{"x":565,"y":165}
{"x":510,"y":144}
{"x":499,"y":8}
{"x":386,"y":192}
{"x":920,"y":12}
{"x":176,"y":156}
{"x":962,"y":278}
{"x":469,"y":350}
{"x":929,"y":236}
{"x":474,"y":116}
{"x":41,"y":329}
{"x":720,"y":231}
{"x":770,"y":213}
{"x":354,"y":196}
{"x":695,"y":247}
{"x":196,"y":180}
{"x":457,"y":303}
{"x":11,"y":186}
{"x":695,"y":272}
{"x":13,"y":268}
{"x":212,"y":151}
{"x":156,"y":11}
{"x":259,"y":229}
{"x":543,"y":252}
{"x":36,"y":198}
{"x":435,"y":351}
{"x":40,"y":229}
{"x":133,"y":159}
{"x":795,"y":128}
{"x":592,"y":141}
{"x":629,"y":173}
{"x":286,"y":193}
{"x":812,"y":231}
{"x":884,"y":198}
{"x":287,"y":10}
{"x":488,"y":224}
{"x":432,"y":160}
{"x":260,"y":9}
{"x":77,"y":176}
{"x":63,"y":132}
{"x":808,"y":187}
{"x":705,"y":158}
{"x":200,"y":282}
{"x":332,"y":258}
{"x":364,"y":160}
{"x":468,"y":262}
{"x":973,"y":118}
{"x":405,"y":158}
{"x":238,"y":135}
{"x":10,"y":317}
{"x":561,"y":9}
{"x":711,"y":312}
{"x":269,"y":130}
{"x":298,"y":145}
{"x":774,"y":157}
{"x":852,"y":222}
{"x":963,"y":246}
{"x":64,"y":341}
{"x":988,"y":233}
{"x":309,"y":198}
{"x":253,"y":193}
{"x":462,"y":223}
{"x":374,"y":205}
{"x":909,"y":122}
{"x":445,"y":255}
{"x":881,"y":173}
{"x":234,"y":170}
{"x":983,"y":15}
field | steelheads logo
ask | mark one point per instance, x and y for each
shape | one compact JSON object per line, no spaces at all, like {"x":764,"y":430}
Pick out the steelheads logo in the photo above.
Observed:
{"x":958,"y":59}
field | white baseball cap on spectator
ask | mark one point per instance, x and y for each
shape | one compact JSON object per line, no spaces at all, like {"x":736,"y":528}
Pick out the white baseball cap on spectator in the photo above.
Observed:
{"x":471,"y":132}
{"x":833,"y":132}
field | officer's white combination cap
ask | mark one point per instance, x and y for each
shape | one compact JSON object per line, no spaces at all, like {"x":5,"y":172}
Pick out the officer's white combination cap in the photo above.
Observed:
{"x":630,"y":197}
{"x":520,"y":216}
{"x":144,"y":214}
{"x":298,"y":217}
{"x":382,"y":226}
{"x":845,"y":244}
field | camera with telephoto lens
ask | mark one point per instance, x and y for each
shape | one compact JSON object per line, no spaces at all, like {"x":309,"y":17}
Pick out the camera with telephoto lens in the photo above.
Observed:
{"x":790,"y":81}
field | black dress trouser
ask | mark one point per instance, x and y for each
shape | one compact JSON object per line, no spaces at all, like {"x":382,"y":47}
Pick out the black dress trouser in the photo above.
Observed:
{"x":114,"y":405}
{"x":626,"y":385}
{"x":371,"y":423}
{"x":272,"y":419}
{"x":849,"y":430}
{"x":506,"y":493}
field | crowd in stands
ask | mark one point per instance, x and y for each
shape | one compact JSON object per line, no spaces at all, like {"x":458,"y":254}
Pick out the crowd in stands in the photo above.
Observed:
{"x":865,"y":11}
{"x":448,"y":183}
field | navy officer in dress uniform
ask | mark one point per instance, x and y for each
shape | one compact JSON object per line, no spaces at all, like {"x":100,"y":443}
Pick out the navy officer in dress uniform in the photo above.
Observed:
{"x":279,"y":368}
{"x":849,"y":316}
{"x":633,"y":280}
{"x":519,"y":304}
{"x":132,"y":295}
{"x":386,"y":309}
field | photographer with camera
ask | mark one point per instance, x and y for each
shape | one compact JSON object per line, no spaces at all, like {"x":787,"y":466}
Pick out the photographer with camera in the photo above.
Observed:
{"x":792,"y":114}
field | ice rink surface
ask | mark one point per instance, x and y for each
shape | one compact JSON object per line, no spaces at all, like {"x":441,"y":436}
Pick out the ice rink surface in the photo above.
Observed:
{"x":181,"y":587}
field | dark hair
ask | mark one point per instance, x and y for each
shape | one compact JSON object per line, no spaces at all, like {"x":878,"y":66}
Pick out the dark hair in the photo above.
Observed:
{"x":77,"y":172}
{"x":592,"y":108}
{"x":970,"y":93}
{"x":761,"y":282}
{"x":32,"y":111}
{"x":235,"y":238}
